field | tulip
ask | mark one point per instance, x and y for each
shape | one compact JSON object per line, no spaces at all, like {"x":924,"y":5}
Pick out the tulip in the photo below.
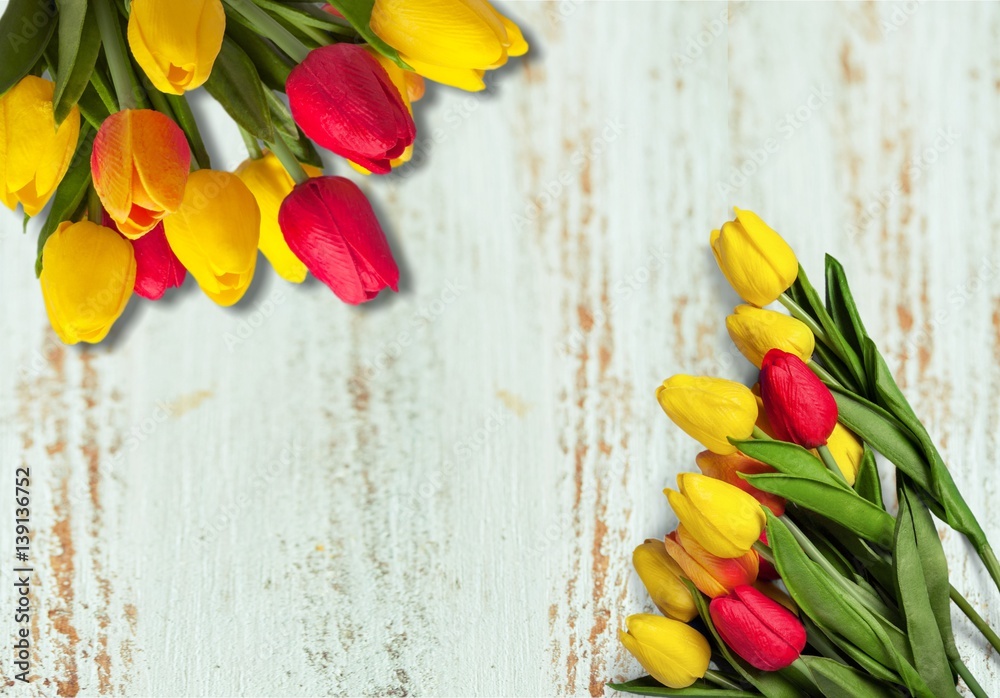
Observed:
{"x":755,"y":331}
{"x":798,"y":405}
{"x":88,"y":272}
{"x":847,"y":452}
{"x":674,"y":653}
{"x":156,"y":266}
{"x":709,"y":409}
{"x":728,"y":469}
{"x":762,"y":422}
{"x":34,"y":152}
{"x":329,"y":224}
{"x":761,"y":631}
{"x":346,"y":102}
{"x":176,"y":42}
{"x":270,"y":184}
{"x":215,"y":234}
{"x":724,"y":519}
{"x":713,"y":575}
{"x":765,"y":570}
{"x":140,"y":164}
{"x":662,"y":578}
{"x":775,"y":593}
{"x":756,"y":261}
{"x":449,"y":41}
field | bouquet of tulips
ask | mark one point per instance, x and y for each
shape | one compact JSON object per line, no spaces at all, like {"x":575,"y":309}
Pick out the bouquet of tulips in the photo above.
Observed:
{"x":110,"y":139}
{"x":788,"y":575}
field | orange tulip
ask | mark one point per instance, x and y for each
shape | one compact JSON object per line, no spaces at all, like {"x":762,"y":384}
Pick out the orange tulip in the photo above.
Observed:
{"x":728,"y":468}
{"x":140,"y":163}
{"x":713,"y":575}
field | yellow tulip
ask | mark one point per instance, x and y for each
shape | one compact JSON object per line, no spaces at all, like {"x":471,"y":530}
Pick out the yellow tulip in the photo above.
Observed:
{"x":847,"y":452}
{"x":725,"y":520}
{"x":176,"y":42}
{"x":88,"y":272}
{"x":449,"y":41}
{"x":270,"y":183}
{"x":755,"y":331}
{"x":756,"y":261}
{"x":674,"y":653}
{"x":34,"y":153}
{"x":662,"y":578}
{"x":709,"y":409}
{"x":215,"y":233}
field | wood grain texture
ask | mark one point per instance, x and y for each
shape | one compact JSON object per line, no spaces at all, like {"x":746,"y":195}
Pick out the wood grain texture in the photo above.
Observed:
{"x":439,"y":494}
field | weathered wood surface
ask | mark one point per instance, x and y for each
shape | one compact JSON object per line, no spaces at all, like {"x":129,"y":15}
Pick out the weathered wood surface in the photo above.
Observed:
{"x":439,"y":495}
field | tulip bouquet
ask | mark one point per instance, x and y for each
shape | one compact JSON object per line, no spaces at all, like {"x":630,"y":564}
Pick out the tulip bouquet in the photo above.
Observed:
{"x":788,"y":575}
{"x":110,"y":139}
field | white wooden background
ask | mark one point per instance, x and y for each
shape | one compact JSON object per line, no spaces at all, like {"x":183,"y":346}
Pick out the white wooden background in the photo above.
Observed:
{"x":439,"y":494}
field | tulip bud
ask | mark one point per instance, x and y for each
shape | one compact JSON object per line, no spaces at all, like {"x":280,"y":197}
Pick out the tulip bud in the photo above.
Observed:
{"x":34,"y":153}
{"x":798,"y":405}
{"x":329,"y":224}
{"x":724,"y":519}
{"x":847,"y":452}
{"x":761,"y":631}
{"x":728,"y":469}
{"x":449,"y":41}
{"x":765,"y":570}
{"x":662,"y":578}
{"x":156,"y":266}
{"x":346,"y":102}
{"x":713,"y":575}
{"x":88,"y":272}
{"x":755,"y":331}
{"x":756,"y":261}
{"x":140,"y":164}
{"x":215,"y":234}
{"x":176,"y":42}
{"x":674,"y":653}
{"x":270,"y":184}
{"x":776,"y":594}
{"x":709,"y":409}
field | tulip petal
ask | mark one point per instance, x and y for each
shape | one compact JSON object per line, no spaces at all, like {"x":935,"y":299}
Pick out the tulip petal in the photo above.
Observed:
{"x":468,"y":79}
{"x":758,"y":629}
{"x":661,"y":576}
{"x":674,"y":653}
{"x":176,"y":54}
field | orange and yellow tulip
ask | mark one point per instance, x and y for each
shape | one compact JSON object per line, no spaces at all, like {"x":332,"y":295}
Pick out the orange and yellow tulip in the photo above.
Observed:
{"x":88,"y":272}
{"x":215,"y":233}
{"x":34,"y":153}
{"x":713,"y":575}
{"x":140,"y":164}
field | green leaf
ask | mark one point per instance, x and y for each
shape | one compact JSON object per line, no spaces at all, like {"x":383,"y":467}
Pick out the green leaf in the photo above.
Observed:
{"x":770,"y":684}
{"x":71,"y":193}
{"x":359,"y":14}
{"x":867,"y":483}
{"x":302,"y":148}
{"x":272,"y":65}
{"x":236,"y":86}
{"x":26,"y":27}
{"x":836,"y":680}
{"x":835,"y":503}
{"x":923,"y":617}
{"x":788,"y":458}
{"x":648,"y":686}
{"x":843,"y":309}
{"x":79,"y":46}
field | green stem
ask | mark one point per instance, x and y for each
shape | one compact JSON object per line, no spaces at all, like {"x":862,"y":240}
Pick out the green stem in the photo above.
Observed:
{"x":764,"y":551}
{"x":959,"y":666}
{"x":114,"y":49}
{"x":831,"y":463}
{"x":721,"y":681}
{"x":822,"y":374}
{"x":799,"y":313}
{"x":253,"y":147}
{"x":271,"y":28}
{"x":990,"y":561}
{"x":977,"y":620}
{"x":292,"y":166}
{"x":758,"y":433}
{"x":95,"y":212}
{"x":185,"y":119}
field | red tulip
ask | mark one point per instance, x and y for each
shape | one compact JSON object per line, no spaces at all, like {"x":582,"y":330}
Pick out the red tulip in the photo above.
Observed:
{"x":765,"y":570}
{"x":344,"y":100}
{"x":800,"y":408}
{"x":329,"y":225}
{"x":761,"y":631}
{"x":157,"y":267}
